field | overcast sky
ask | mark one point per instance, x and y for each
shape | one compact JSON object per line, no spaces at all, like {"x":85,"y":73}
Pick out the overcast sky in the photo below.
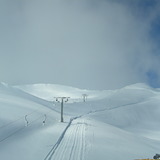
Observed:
{"x":91,"y":44}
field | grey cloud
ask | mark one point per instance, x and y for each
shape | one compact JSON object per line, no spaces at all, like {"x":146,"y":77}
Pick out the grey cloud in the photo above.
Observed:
{"x":87,"y":44}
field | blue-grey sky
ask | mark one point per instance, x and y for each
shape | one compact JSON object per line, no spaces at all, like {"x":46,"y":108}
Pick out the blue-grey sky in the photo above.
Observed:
{"x":92,"y":44}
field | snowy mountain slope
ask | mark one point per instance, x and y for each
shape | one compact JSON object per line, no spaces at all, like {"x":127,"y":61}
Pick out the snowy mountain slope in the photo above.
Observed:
{"x":49,"y":91}
{"x":17,"y":139}
{"x":118,"y":124}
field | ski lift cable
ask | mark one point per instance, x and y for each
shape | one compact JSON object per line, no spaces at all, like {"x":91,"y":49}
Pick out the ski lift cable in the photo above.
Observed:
{"x":22,"y":128}
{"x":21,"y":117}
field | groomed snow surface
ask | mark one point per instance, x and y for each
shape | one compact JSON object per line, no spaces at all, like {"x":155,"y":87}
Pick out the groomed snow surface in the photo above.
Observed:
{"x":121,"y":124}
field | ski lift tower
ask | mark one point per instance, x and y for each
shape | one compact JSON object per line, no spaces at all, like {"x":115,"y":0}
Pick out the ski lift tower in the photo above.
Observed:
{"x":62,"y":100}
{"x":84,"y":97}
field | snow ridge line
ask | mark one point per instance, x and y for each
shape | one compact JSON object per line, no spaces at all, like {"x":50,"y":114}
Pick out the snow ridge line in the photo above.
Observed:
{"x":112,"y":108}
{"x":54,"y":148}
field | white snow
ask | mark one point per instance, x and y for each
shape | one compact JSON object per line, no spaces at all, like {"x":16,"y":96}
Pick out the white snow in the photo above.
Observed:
{"x":112,"y":124}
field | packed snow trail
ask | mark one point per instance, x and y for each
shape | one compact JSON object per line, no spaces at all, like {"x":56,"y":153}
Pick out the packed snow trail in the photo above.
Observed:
{"x":72,"y":144}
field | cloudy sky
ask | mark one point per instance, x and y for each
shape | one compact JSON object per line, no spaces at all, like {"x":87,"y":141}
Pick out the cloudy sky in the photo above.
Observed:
{"x":91,"y":44}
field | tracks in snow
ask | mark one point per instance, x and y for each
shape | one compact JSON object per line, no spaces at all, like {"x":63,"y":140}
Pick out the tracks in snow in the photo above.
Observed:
{"x":71,"y":146}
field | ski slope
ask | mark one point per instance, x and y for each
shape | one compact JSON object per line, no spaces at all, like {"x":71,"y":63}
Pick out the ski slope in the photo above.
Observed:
{"x":112,"y":124}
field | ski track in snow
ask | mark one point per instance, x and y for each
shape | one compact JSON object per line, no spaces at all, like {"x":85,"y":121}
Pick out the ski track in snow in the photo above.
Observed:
{"x":71,"y":144}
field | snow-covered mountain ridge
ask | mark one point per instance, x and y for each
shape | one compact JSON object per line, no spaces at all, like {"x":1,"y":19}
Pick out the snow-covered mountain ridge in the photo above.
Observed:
{"x":123,"y":121}
{"x":49,"y":91}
